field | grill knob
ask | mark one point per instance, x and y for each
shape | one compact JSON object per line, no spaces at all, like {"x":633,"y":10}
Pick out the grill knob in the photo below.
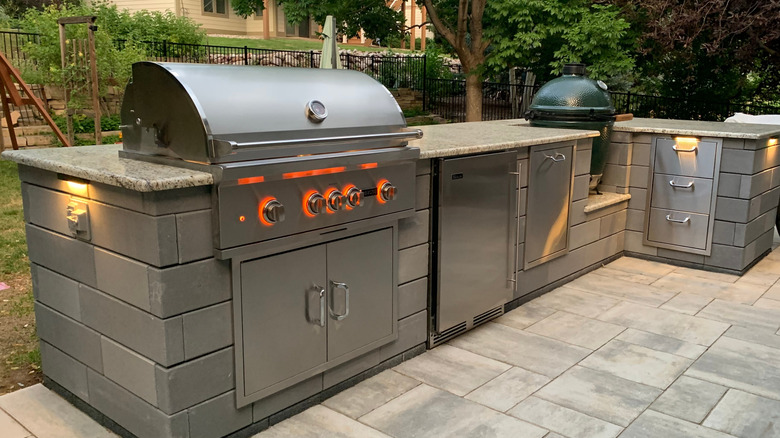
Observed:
{"x":335,"y":200}
{"x":273,"y":211}
{"x":354,"y":197}
{"x":316,"y":204}
{"x":388,"y":191}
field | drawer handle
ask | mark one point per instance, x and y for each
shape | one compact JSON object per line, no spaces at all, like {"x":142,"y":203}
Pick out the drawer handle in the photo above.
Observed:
{"x":692,"y":149}
{"x":337,"y":285}
{"x":678,"y":221}
{"x":681,"y":186}
{"x":557,"y":157}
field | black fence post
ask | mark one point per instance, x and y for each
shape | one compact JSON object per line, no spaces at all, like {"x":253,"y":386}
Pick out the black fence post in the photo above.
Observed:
{"x":311,"y":58}
{"x":424,"y":79}
{"x":246,"y":55}
{"x":165,"y":50}
{"x":628,"y":102}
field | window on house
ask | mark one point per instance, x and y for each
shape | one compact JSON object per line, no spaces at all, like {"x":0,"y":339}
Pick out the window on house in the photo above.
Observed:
{"x":215,"y":7}
{"x":259,"y":12}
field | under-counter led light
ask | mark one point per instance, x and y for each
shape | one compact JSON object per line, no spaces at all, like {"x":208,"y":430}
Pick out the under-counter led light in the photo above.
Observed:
{"x":771,"y":142}
{"x":304,"y":173}
{"x":251,"y":180}
{"x":77,"y":188}
{"x":687,"y":139}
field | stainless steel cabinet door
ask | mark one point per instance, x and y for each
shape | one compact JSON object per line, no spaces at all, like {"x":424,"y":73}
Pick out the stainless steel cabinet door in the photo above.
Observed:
{"x":283,"y":321}
{"x":549,"y":198}
{"x":477,"y":236}
{"x":360,"y":289}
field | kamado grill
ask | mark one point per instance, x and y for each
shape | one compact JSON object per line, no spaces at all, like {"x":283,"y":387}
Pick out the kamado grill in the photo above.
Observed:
{"x":311,"y":174}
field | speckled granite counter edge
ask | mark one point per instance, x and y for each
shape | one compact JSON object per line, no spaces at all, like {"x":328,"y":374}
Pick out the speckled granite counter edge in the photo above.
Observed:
{"x":134,"y":175}
{"x":694,"y":132}
{"x":515,"y":144}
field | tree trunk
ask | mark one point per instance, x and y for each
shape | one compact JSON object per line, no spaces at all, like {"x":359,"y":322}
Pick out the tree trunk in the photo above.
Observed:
{"x":473,"y":98}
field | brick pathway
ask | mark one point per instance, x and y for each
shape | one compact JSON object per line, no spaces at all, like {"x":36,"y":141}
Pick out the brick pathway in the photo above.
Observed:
{"x":633,"y":349}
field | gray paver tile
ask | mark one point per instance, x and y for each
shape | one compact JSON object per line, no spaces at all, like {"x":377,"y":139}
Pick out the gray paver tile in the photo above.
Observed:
{"x":741,"y":314}
{"x":525,"y":315}
{"x":637,"y":363}
{"x":662,"y":343}
{"x":639,"y":266}
{"x":370,"y":394}
{"x":430,"y":412}
{"x":766,"y":272}
{"x":622,"y":289}
{"x":738,"y":292}
{"x":508,"y":389}
{"x":452,"y":369}
{"x":526,"y":350}
{"x":689,"y":399}
{"x":11,"y":428}
{"x":576,"y":301}
{"x":568,"y":422}
{"x":599,"y":394}
{"x":773,"y":292}
{"x":728,"y":278}
{"x":319,"y":421}
{"x":666,"y":323}
{"x":633,"y":277}
{"x":741,"y":365}
{"x":577,"y":330}
{"x":756,"y":335}
{"x":46,"y":414}
{"x":653,"y":424}
{"x":689,"y":304}
{"x":766,"y":303}
{"x":746,"y":415}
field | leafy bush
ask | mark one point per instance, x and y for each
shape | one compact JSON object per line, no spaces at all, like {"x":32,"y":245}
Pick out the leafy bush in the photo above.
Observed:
{"x":147,"y":26}
{"x":83,"y":124}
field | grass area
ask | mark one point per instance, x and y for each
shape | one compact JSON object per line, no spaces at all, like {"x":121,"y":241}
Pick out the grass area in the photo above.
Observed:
{"x":20,"y":358}
{"x":287,"y":44}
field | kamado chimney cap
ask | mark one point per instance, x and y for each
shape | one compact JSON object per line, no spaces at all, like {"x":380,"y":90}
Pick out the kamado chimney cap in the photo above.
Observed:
{"x":575,"y":69}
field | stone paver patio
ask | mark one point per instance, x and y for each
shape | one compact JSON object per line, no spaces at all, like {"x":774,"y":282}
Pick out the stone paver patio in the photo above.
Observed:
{"x":633,"y":349}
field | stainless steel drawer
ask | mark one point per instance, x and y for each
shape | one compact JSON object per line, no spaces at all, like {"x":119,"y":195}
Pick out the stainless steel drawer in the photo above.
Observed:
{"x":682,"y":193}
{"x":685,"y":158}
{"x":678,"y":228}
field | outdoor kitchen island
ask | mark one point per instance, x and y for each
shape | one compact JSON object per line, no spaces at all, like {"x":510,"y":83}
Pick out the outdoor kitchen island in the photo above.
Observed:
{"x":136,"y":322}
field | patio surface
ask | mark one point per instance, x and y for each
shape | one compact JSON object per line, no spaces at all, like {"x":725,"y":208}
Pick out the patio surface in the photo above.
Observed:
{"x":633,"y":349}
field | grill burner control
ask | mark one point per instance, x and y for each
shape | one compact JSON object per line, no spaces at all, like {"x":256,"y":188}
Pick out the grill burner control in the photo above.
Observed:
{"x":316,"y":204}
{"x":354,"y":197}
{"x":335,"y":200}
{"x":273,"y":211}
{"x":387,"y":191}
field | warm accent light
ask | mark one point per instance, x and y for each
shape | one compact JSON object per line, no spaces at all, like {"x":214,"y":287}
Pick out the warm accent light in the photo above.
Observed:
{"x":306,"y":203}
{"x":686,"y":139}
{"x":251,"y":180}
{"x":771,"y":142}
{"x":261,"y":209}
{"x":369,"y":165}
{"x":379,"y":191}
{"x":242,"y":218}
{"x":327,"y":196}
{"x":345,"y":191}
{"x":304,"y":173}
{"x":77,"y":188}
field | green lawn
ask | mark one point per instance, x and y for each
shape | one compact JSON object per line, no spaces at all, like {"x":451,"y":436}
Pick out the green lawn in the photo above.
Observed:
{"x":13,"y":247}
{"x":286,"y":44}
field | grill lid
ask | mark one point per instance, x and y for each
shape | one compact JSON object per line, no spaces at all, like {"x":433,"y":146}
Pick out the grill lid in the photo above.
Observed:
{"x":218,"y":113}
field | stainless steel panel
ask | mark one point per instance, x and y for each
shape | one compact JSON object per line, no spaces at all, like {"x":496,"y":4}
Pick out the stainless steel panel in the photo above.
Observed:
{"x":360,"y":301}
{"x":685,"y":158}
{"x":678,"y":228}
{"x":282,"y":336}
{"x":476,"y":238}
{"x":550,"y":180}
{"x":682,"y":193}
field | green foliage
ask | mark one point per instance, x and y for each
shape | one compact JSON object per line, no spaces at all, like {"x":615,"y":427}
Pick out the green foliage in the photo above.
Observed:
{"x":147,"y":26}
{"x":86,"y":125}
{"x":245,"y":8}
{"x":373,"y":16}
{"x":543,"y":35}
{"x":13,"y":246}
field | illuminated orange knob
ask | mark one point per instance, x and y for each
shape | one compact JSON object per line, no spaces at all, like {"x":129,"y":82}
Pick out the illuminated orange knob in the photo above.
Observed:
{"x":388,"y":191}
{"x":354,"y":197}
{"x":273,"y":211}
{"x":316,"y":203}
{"x":335,"y":200}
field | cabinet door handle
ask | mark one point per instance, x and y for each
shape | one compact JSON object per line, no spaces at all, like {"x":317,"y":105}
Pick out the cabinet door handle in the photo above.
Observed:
{"x":337,"y":285}
{"x":516,"y":249}
{"x":681,"y":186}
{"x":312,"y":295}
{"x":678,"y":221}
{"x":323,"y":304}
{"x":557,"y":157}
{"x":692,"y":149}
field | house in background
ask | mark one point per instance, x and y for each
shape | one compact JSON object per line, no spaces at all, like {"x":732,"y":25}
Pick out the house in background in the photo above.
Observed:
{"x":217,"y":17}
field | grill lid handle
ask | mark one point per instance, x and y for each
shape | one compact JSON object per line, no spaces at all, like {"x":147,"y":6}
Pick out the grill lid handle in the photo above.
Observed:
{"x":417,"y":133}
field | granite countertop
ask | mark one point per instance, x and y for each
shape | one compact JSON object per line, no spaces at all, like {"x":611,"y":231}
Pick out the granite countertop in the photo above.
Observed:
{"x":471,"y":138}
{"x":102,"y":164}
{"x":699,"y":129}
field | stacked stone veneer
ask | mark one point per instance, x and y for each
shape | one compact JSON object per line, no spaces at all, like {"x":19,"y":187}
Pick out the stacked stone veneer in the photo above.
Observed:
{"x":745,"y":209}
{"x":137,"y":322}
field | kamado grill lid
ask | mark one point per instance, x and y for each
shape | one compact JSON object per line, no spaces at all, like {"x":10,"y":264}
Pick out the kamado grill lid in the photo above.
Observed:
{"x":572,"y":96}
{"x":218,"y":113}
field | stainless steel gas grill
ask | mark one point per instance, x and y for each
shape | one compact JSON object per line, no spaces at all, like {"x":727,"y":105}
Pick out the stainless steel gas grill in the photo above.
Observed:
{"x":312,"y":173}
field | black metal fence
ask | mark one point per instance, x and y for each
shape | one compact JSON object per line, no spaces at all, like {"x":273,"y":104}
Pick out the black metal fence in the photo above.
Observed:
{"x":11,"y":43}
{"x":644,"y":105}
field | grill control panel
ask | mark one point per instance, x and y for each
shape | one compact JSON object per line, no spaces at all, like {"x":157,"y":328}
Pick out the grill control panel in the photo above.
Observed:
{"x":264,"y":207}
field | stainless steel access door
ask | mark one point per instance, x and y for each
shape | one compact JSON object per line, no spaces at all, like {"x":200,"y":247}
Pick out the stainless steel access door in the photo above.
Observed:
{"x":477,"y":233}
